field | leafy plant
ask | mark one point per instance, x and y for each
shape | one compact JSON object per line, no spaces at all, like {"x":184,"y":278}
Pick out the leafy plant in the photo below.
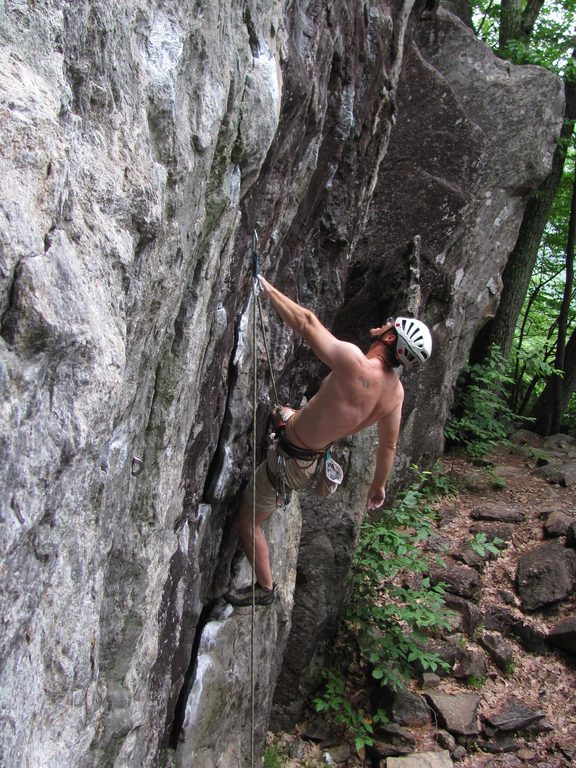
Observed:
{"x":482,"y":546}
{"x":436,"y":482}
{"x":390,"y":618}
{"x":336,"y":701}
{"x":510,"y":668}
{"x":475,"y":681}
{"x":550,"y":42}
{"x":393,"y":607}
{"x":272,"y":757}
{"x":482,"y":418}
{"x":496,"y":482}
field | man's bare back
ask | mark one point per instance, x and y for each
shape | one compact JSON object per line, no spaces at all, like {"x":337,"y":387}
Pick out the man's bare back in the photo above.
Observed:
{"x":346,"y":404}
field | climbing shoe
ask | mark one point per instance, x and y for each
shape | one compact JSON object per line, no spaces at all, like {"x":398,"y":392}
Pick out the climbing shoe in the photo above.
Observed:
{"x":243,"y":595}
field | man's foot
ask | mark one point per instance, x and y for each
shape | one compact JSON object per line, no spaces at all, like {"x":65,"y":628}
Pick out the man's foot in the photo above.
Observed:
{"x":243,"y":595}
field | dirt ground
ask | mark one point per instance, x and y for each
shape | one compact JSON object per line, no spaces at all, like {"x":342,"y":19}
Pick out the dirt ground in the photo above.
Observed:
{"x":546,"y":683}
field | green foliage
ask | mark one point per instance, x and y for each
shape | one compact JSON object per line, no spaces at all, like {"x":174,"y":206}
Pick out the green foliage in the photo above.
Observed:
{"x":535,"y":342}
{"x":388,"y":622}
{"x":390,"y":618}
{"x":510,"y":669}
{"x":496,"y":482}
{"x":336,"y":700}
{"x":482,"y":546}
{"x":273,"y":757}
{"x":436,"y":482}
{"x":476,"y":682}
{"x":550,"y":43}
{"x":482,"y":418}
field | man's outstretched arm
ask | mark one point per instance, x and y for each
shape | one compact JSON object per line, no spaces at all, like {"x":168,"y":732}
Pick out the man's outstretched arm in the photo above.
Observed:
{"x":388,"y":431}
{"x":330,"y":350}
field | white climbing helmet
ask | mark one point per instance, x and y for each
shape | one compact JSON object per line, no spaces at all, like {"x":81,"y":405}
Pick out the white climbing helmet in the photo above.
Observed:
{"x":414,"y":343}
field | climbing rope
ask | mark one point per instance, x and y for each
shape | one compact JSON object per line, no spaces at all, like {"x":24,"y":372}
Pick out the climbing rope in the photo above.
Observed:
{"x":256,"y":272}
{"x":255,"y":301}
{"x":256,"y":307}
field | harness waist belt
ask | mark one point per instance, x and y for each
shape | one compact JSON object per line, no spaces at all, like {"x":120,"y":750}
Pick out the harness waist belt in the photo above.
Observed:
{"x":295,"y":452}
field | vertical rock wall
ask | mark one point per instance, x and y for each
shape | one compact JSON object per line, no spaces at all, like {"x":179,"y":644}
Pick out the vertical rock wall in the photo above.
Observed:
{"x":444,"y":216}
{"x":141,"y":143}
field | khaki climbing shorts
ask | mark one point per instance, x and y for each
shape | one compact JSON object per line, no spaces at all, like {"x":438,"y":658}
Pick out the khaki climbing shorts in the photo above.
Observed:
{"x":300,"y":474}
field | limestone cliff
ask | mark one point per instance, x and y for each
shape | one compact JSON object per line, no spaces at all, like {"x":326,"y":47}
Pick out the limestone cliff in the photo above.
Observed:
{"x":384,"y":156}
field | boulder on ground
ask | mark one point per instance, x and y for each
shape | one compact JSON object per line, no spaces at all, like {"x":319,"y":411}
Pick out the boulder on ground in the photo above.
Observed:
{"x":563,"y":636}
{"x":502,"y":513}
{"x":470,"y":613}
{"x":514,"y":717}
{"x":391,"y":740}
{"x":457,"y":712}
{"x":559,"y":442}
{"x":409,"y":709}
{"x":494,"y":530}
{"x":546,"y":575}
{"x":459,"y":579}
{"x":499,"y":649}
{"x":557,"y":524}
{"x":504,"y":620}
{"x":526,"y":437}
{"x":558,"y":474}
{"x":470,"y":664}
{"x":421,"y":760}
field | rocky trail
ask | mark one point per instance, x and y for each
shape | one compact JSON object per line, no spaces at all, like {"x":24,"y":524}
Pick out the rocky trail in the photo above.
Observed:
{"x":508,"y":699}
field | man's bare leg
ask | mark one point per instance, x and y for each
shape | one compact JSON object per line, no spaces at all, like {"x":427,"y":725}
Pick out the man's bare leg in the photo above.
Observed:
{"x":243,"y":525}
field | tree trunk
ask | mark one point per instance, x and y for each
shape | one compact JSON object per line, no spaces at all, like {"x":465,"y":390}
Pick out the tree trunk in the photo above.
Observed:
{"x":549,"y":412}
{"x":510,"y":22}
{"x":516,"y":275}
{"x":461,"y":8}
{"x":516,"y":24}
{"x":529,"y":17}
{"x":543,"y":409}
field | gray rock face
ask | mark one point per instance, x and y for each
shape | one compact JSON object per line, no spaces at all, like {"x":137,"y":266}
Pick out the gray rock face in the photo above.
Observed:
{"x":432,"y":207}
{"x":323,"y":562}
{"x":216,"y":723}
{"x":142,"y":143}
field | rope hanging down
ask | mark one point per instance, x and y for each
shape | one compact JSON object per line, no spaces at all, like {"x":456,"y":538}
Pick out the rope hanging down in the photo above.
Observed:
{"x":256,"y":272}
{"x":254,"y":440}
{"x":256,"y":306}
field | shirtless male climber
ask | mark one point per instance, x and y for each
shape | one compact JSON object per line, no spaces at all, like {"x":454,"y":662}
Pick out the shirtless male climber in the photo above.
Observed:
{"x":360,"y":390}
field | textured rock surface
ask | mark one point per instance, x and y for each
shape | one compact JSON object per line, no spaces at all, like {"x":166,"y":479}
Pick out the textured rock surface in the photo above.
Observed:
{"x":545,"y":575}
{"x":457,"y":711}
{"x":433,"y":207}
{"x":141,"y":143}
{"x":422,"y":760}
